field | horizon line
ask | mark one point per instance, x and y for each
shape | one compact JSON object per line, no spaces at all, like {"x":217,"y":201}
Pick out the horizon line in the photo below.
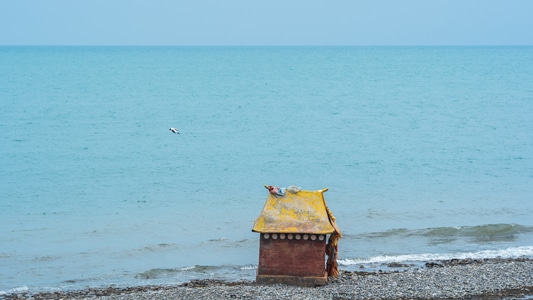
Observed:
{"x":265,"y":45}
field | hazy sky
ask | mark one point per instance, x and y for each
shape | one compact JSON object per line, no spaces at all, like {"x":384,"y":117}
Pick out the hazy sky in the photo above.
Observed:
{"x":266,"y":22}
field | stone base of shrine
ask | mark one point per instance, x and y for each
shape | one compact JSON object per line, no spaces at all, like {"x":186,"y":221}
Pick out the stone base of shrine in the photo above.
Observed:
{"x":306,"y":281}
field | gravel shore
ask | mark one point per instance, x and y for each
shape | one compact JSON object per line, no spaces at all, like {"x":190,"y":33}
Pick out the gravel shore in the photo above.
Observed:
{"x":452,"y":279}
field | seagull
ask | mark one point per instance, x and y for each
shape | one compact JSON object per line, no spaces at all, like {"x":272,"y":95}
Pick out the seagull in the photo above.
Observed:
{"x":174,"y":130}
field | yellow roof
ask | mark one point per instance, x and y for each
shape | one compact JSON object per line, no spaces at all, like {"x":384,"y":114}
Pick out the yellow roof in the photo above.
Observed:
{"x":303,"y":212}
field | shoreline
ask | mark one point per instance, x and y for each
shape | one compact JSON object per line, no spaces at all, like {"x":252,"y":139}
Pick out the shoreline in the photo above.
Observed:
{"x":499,"y":278}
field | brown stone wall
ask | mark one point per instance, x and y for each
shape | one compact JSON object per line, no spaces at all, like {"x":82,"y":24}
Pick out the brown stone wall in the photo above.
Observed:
{"x":291,"y":257}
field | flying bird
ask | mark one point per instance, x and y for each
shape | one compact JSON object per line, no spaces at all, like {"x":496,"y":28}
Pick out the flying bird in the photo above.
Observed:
{"x":174,"y":130}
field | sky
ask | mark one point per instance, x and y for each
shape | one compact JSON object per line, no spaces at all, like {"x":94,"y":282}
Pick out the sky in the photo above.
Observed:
{"x":266,"y":22}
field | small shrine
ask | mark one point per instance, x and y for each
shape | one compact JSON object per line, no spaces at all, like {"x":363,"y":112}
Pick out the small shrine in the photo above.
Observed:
{"x":294,"y":226}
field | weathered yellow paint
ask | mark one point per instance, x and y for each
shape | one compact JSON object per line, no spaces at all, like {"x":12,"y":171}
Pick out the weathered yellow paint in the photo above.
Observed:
{"x":303,"y":212}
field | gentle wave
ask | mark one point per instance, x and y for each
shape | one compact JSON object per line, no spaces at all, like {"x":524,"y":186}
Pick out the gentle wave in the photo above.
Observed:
{"x":166,"y":272}
{"x":513,"y":252}
{"x":479,"y":233}
{"x":157,"y":273}
{"x":196,"y":271}
{"x":489,"y":231}
{"x":15,"y":290}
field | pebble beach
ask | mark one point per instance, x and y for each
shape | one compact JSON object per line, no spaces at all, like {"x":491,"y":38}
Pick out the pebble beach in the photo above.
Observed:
{"x":451,"y":279}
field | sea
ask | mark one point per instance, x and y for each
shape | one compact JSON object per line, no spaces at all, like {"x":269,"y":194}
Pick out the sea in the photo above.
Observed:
{"x":427,"y":154}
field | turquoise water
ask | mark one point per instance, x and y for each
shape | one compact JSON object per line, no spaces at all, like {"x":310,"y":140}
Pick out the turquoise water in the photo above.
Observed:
{"x":427,"y":153}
